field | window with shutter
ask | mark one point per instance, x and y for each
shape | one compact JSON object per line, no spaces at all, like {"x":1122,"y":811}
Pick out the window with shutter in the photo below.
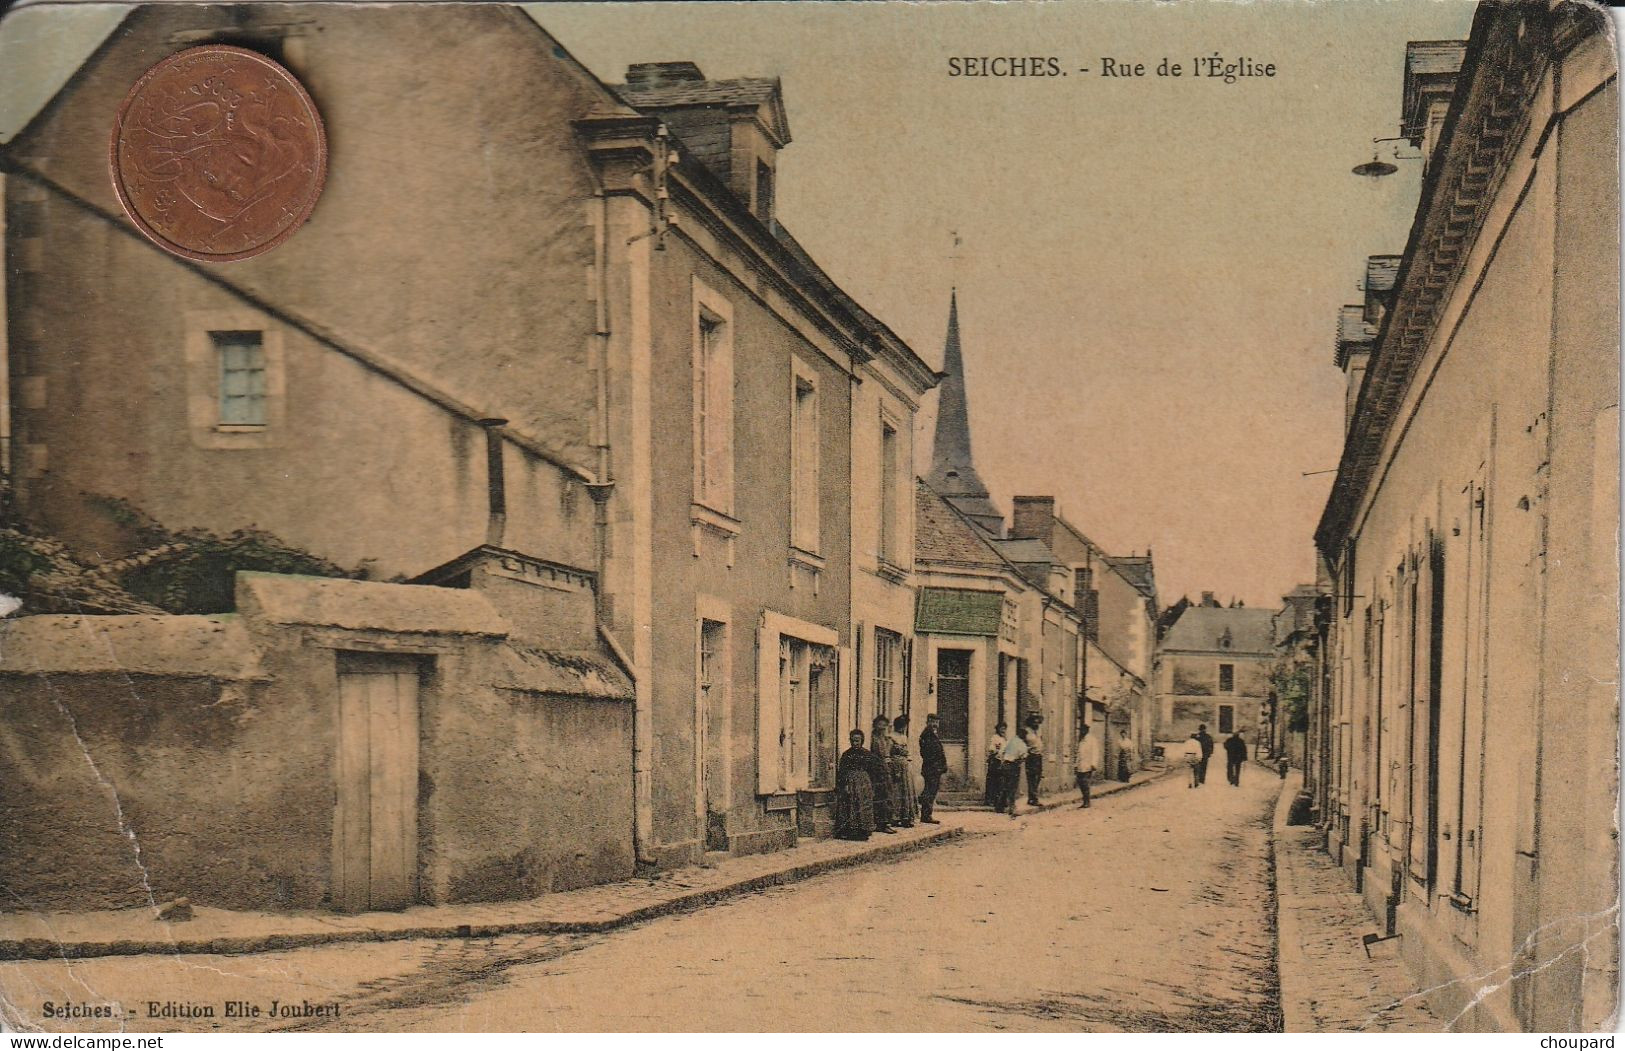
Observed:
{"x":804,"y":467}
{"x":713,"y":401}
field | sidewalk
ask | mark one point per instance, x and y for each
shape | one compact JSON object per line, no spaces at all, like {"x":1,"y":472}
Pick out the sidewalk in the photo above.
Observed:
{"x":1068,"y":797}
{"x":1328,"y":983}
{"x":128,"y":932}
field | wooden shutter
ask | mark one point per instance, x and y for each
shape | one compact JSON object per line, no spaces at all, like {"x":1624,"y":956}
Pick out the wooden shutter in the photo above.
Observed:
{"x":769,"y":705}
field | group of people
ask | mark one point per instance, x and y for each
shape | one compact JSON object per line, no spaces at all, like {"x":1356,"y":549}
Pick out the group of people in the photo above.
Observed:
{"x":875,"y":788}
{"x":874,"y":784}
{"x":1007,"y":757}
{"x":1199,"y":749}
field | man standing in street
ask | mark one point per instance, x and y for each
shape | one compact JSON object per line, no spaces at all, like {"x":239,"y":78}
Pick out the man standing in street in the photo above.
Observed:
{"x":933,"y":764}
{"x":1089,"y":761}
{"x":995,"y":768}
{"x":1191,"y":754}
{"x":1035,"y":756}
{"x":1235,"y":753}
{"x":1010,"y":758}
{"x":1205,"y":739}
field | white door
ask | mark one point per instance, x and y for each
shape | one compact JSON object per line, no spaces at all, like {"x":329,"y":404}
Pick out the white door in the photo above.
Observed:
{"x":375,"y":835}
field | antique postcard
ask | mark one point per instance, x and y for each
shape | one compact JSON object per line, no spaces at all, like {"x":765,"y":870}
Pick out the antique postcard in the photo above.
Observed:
{"x":811,"y":517}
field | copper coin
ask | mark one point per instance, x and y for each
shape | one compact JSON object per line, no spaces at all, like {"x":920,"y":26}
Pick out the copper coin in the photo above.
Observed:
{"x":218,"y":154}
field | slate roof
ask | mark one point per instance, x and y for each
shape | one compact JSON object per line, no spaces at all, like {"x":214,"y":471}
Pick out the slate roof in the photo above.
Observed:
{"x":1025,"y":551}
{"x":1353,"y":330}
{"x":1380,"y":272}
{"x":748,"y":90}
{"x":1199,"y":628}
{"x":1434,"y":56}
{"x":1137,"y":570}
{"x":941,"y":534}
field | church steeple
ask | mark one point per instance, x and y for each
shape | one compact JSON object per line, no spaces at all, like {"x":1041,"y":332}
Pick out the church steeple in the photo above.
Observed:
{"x":953,"y":470}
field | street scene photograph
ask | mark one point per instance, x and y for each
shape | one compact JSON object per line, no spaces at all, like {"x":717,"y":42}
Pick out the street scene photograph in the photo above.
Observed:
{"x":810,"y":517}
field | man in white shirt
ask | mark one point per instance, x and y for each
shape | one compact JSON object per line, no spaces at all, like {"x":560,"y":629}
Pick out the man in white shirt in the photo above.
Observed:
{"x":1010,"y":760}
{"x":1089,"y":763}
{"x":1192,"y":754}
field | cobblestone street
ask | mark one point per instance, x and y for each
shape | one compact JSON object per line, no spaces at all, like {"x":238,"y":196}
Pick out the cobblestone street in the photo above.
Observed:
{"x":1151,"y":911}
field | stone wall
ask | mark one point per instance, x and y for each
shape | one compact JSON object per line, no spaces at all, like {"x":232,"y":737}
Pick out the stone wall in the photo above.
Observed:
{"x":150,"y":757}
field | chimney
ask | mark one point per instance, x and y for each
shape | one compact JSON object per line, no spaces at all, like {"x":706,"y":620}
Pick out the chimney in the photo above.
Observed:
{"x":645,"y":76}
{"x":1208,"y":601}
{"x":1034,"y":518}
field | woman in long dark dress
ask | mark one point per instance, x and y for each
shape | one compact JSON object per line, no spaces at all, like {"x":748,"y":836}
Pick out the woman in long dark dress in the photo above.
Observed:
{"x":855,"y":797}
{"x":902,"y":775}
{"x":886,"y":812}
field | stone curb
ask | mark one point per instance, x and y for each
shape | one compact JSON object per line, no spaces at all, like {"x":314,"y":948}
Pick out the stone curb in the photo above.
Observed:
{"x":1110,"y":788}
{"x":47,"y":949}
{"x":1289,"y":972}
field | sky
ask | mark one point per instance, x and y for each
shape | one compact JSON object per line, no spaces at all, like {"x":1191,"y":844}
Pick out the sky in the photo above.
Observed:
{"x":1149,"y":269}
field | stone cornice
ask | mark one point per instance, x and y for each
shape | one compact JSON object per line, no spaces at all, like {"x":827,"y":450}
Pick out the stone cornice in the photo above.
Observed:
{"x":1507,"y":54}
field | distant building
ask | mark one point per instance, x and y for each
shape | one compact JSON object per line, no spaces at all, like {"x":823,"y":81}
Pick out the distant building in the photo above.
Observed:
{"x":1294,"y":677}
{"x":1466,"y":744}
{"x":1116,"y":596}
{"x":1215,"y":670}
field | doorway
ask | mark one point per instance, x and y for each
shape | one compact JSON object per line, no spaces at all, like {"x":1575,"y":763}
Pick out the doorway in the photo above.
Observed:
{"x":375,"y":827}
{"x":713,"y":719}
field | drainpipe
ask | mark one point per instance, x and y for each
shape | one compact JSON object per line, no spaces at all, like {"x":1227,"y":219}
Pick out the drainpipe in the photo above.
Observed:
{"x":601,"y":489}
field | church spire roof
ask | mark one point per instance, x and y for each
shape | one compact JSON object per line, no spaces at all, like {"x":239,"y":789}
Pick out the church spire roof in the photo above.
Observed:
{"x":953,"y":470}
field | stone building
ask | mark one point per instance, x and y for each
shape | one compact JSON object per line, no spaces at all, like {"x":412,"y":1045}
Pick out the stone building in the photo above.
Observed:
{"x":1116,"y":596}
{"x":1471,"y":721}
{"x":443,"y":398}
{"x":1215,"y":666}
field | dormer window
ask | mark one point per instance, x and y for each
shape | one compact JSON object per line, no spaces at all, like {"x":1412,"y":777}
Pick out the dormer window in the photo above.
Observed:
{"x":764,"y":192}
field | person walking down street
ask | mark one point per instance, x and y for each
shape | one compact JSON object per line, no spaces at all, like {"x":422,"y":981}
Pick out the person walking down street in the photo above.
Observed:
{"x":1235,"y":754}
{"x":1010,"y":760}
{"x":854,"y":792}
{"x":1089,"y":762}
{"x":933,"y":764}
{"x":1127,"y":758}
{"x":902,"y":774}
{"x":1206,"y":741}
{"x":1192,"y":754}
{"x":993,"y":785}
{"x":879,"y":767}
{"x":1034,"y":740}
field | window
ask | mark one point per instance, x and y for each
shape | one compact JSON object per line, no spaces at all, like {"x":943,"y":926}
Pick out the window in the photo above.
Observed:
{"x":804,"y":463}
{"x":888,"y":656}
{"x":1227,"y":678}
{"x":1227,"y":718}
{"x":806,"y":753}
{"x":713,"y":402}
{"x":799,"y":682}
{"x":889,"y":540}
{"x":241,"y":358}
{"x":764,"y":192}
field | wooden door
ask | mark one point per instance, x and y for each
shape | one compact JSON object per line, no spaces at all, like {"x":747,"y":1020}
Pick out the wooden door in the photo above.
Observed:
{"x":375,"y":851}
{"x":953,"y":695}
